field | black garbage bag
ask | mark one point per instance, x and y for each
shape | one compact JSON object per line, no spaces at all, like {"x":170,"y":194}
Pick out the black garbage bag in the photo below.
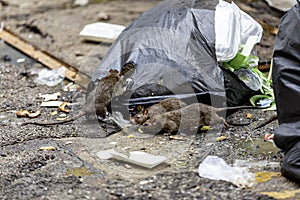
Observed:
{"x":172,"y":47}
{"x":286,"y":80}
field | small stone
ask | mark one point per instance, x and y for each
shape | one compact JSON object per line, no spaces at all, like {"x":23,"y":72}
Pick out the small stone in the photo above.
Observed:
{"x":81,"y":2}
{"x":127,"y":166}
{"x":102,"y":16}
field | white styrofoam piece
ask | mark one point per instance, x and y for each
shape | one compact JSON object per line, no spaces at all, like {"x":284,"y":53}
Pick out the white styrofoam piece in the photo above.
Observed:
{"x":101,"y":32}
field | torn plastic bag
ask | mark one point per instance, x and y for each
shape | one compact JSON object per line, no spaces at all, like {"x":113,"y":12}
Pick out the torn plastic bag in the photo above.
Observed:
{"x":286,"y":81}
{"x":173,"y":48}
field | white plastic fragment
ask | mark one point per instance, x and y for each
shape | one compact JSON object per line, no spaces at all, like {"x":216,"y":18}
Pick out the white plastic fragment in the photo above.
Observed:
{"x":21,"y":60}
{"x":233,"y":27}
{"x":51,"y":103}
{"x":106,"y":154}
{"x":51,"y":77}
{"x":215,"y":168}
{"x":100,"y":32}
{"x":141,"y":158}
{"x":135,"y":157}
{"x":50,"y":97}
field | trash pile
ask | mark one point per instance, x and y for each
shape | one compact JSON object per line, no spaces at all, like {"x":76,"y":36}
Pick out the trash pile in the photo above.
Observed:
{"x":196,"y":51}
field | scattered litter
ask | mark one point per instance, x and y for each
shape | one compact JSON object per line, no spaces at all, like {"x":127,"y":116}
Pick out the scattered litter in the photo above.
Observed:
{"x":51,"y":104}
{"x":51,"y":77}
{"x":177,"y":137}
{"x":266,"y":176}
{"x":102,"y":16}
{"x":209,"y":144}
{"x":70,"y":87}
{"x":54,"y":113}
{"x":221,"y":138}
{"x":249,"y":116}
{"x":51,"y":97}
{"x":282,"y":194}
{"x":47,"y":148}
{"x":135,"y":157}
{"x":113,"y":143}
{"x":126,"y":148}
{"x":205,"y":128}
{"x":62,"y":107}
{"x":283,"y":5}
{"x":61,"y":117}
{"x":68,"y":143}
{"x":79,"y":171}
{"x":26,"y":113}
{"x":130,"y":136}
{"x":80,"y":2}
{"x":101,"y":32}
{"x":21,"y":60}
{"x":106,"y":154}
{"x":141,"y":158}
{"x":215,"y":168}
{"x":144,"y":182}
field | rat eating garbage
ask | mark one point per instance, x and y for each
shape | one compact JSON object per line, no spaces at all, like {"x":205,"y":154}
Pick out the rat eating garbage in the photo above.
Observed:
{"x":192,"y":116}
{"x":163,"y":106}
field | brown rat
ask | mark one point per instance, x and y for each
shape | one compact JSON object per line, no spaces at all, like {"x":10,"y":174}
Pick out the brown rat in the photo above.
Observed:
{"x":193,"y":116}
{"x":97,"y":101}
{"x":163,"y":106}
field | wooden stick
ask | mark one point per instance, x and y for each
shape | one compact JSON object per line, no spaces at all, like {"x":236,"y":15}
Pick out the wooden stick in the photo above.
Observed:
{"x":45,"y":58}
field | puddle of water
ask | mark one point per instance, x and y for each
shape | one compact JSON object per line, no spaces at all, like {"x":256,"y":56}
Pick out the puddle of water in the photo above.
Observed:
{"x":259,"y":146}
{"x":13,"y":55}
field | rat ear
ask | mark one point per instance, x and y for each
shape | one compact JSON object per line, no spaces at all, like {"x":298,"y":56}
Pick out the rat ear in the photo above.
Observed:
{"x":145,"y":112}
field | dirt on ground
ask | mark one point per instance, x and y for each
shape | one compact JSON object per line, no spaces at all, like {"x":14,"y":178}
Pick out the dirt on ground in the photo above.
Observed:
{"x":62,"y":162}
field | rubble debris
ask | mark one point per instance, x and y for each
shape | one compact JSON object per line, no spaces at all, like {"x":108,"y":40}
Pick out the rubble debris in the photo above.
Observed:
{"x":215,"y":168}
{"x":101,"y":32}
{"x":45,"y":58}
